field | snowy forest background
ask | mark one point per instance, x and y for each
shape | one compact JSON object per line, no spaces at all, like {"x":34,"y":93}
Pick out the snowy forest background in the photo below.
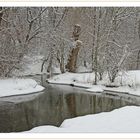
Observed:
{"x":109,"y":39}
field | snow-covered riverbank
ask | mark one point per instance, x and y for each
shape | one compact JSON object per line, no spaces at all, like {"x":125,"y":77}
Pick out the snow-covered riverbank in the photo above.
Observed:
{"x":128,"y":82}
{"x":121,"y":120}
{"x":10,"y":87}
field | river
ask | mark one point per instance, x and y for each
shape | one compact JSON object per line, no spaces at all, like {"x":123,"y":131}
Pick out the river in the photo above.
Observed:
{"x":55,"y":104}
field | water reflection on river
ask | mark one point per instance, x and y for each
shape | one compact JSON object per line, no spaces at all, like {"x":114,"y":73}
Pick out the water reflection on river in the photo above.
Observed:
{"x":62,"y":102}
{"x":55,"y":104}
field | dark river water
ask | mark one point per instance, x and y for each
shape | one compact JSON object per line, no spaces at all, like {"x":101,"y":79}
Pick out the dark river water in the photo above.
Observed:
{"x":55,"y":104}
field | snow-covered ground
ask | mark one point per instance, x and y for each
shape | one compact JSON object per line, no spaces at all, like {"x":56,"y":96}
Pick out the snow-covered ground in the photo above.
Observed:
{"x":10,"y":87}
{"x":31,"y":65}
{"x":121,"y":120}
{"x":127,"y":82}
{"x":73,"y":78}
{"x":84,"y":69}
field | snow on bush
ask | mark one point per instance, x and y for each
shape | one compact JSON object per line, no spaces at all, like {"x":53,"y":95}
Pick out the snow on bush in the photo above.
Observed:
{"x":130,"y":78}
{"x":125,"y":81}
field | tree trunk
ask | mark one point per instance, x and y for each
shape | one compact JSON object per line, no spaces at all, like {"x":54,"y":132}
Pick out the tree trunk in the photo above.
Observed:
{"x":62,"y":64}
{"x":49,"y":69}
{"x":1,"y":14}
{"x":71,"y":65}
{"x":72,"y":60}
{"x":138,"y":59}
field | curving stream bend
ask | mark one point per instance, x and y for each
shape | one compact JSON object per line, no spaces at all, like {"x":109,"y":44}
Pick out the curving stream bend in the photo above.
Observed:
{"x":55,"y":104}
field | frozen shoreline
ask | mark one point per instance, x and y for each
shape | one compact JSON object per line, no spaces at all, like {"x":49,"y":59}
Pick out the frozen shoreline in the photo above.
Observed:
{"x":123,"y":120}
{"x":9,"y":87}
{"x":128,"y":83}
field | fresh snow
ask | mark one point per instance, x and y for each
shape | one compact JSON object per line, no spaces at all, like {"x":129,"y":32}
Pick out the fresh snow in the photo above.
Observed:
{"x":10,"y":87}
{"x":125,"y":89}
{"x":31,"y":65}
{"x":83,"y":69}
{"x":126,"y":81}
{"x":71,"y":78}
{"x":96,"y":88}
{"x":123,"y":120}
